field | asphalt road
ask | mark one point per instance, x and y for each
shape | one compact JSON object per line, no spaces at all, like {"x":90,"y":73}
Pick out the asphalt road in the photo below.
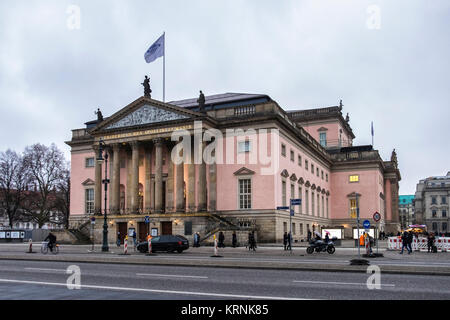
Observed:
{"x":44,"y":280}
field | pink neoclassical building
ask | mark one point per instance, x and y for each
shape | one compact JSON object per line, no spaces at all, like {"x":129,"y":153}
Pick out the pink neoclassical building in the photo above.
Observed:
{"x":228,"y":165}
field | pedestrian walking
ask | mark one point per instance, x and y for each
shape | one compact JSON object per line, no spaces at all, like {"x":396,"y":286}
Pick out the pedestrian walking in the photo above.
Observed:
{"x":410,"y":241}
{"x":234,"y":239}
{"x":404,"y":241}
{"x":251,"y":241}
{"x":430,"y":241}
{"x":285,"y":240}
{"x":196,"y":240}
{"x":309,"y":235}
{"x":221,"y":240}
{"x":118,"y":239}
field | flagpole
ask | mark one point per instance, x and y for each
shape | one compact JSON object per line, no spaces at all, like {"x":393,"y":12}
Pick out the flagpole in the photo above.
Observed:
{"x":164,"y":69}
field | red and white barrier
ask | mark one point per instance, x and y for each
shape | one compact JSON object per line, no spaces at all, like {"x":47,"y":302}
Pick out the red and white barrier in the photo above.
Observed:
{"x":30,"y":248}
{"x":420,"y":244}
{"x":125,"y":246}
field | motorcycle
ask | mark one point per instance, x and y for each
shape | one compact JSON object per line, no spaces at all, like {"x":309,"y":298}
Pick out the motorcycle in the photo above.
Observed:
{"x":320,"y":246}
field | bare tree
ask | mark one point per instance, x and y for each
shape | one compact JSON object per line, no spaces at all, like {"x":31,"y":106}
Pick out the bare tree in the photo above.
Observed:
{"x":63,"y":196}
{"x":46,"y":166}
{"x":14,"y":179}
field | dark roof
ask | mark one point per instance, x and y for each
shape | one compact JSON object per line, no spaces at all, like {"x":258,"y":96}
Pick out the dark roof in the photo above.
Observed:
{"x":222,"y":99}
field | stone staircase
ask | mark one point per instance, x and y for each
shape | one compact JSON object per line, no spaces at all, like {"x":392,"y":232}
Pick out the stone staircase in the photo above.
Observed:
{"x":218,"y":223}
{"x":82,"y":233}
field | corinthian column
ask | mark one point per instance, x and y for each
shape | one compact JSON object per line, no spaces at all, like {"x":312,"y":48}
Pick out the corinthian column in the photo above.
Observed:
{"x":170,"y":183}
{"x":158,"y":175}
{"x":98,"y":184}
{"x":202,"y":181}
{"x":180,"y":187}
{"x":148,"y":180}
{"x":135,"y":177}
{"x":191,"y":184}
{"x":115,"y":183}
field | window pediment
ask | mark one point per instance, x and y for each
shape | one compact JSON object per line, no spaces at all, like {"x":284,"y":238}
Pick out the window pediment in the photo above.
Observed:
{"x":88,"y":182}
{"x":244,"y":172}
{"x":285,"y":173}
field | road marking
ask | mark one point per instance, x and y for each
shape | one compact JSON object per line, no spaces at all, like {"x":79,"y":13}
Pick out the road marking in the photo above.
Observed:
{"x":340,"y":283}
{"x":209,"y":294}
{"x":46,"y":269}
{"x":169,"y":275}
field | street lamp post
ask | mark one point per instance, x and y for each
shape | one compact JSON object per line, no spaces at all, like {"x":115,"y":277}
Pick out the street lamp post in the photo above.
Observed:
{"x":105,"y":247}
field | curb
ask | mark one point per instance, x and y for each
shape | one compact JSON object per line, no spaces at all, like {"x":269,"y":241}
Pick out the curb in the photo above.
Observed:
{"x":237,"y":265}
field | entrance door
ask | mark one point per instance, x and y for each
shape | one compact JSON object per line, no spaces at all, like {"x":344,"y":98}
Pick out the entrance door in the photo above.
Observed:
{"x":142,"y":229}
{"x":166,"y":228}
{"x":122,"y":228}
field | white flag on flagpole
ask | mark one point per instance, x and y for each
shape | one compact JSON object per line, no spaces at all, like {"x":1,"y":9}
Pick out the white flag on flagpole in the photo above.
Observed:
{"x":155,"y":51}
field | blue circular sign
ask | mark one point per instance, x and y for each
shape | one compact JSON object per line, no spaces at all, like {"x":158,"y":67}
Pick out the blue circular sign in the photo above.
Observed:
{"x":366,"y":224}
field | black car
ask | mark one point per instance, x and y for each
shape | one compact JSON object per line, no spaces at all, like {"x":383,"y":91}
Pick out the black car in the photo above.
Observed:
{"x":168,"y":243}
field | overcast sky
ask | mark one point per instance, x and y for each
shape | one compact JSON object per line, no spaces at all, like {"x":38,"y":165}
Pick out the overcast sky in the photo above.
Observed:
{"x":387,"y":60}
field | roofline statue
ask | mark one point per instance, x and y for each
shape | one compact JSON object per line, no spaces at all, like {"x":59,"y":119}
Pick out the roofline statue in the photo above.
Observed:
{"x":147,"y":90}
{"x":99,"y":115}
{"x":201,"y":102}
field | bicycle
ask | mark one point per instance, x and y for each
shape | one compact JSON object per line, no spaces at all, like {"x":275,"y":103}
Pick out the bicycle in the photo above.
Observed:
{"x":44,"y":248}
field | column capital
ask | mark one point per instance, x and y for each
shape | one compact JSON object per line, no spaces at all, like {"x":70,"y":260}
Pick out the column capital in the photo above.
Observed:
{"x":116,"y":147}
{"x":159,"y":142}
{"x":135,"y":144}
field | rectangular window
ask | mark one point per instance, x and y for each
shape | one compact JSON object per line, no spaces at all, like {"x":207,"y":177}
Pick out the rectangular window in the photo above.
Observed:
{"x":301,"y":229}
{"x":354,"y":178}
{"x":317,"y":171}
{"x":284,"y":226}
{"x":312,"y":168}
{"x":326,"y":177}
{"x":433,"y":200}
{"x":283,"y":193}
{"x":323,"y":206}
{"x":444,"y":213}
{"x":323,"y":139}
{"x":433,"y":213}
{"x":306,"y":164}
{"x":90,"y":162}
{"x":292,"y":156}
{"x":353,"y":208}
{"x":312,"y":203}
{"x":283,"y":150}
{"x":89,"y":201}
{"x":244,"y":146}
{"x":444,"y":226}
{"x":327,"y":208}
{"x":435,"y":226}
{"x":443,"y":200}
{"x":300,"y":160}
{"x":321,"y":173}
{"x":318,"y":205}
{"x":294,"y":232}
{"x":245,"y":194}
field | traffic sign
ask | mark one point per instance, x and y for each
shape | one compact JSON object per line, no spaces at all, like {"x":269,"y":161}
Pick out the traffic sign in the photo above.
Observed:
{"x":282,"y":208}
{"x":376,"y":216}
{"x":147,"y":219}
{"x":292,"y":212}
{"x":366,"y":224}
{"x":296,"y":202}
{"x":92,"y":220}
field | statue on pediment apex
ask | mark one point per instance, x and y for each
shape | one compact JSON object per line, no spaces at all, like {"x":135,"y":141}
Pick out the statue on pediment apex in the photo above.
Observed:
{"x":99,"y":115}
{"x":146,"y":84}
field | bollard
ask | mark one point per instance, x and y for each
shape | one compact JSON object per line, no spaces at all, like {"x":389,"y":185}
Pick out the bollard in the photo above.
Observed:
{"x":216,"y":249}
{"x":125,"y":246}
{"x":150,"y":245}
{"x":30,"y":248}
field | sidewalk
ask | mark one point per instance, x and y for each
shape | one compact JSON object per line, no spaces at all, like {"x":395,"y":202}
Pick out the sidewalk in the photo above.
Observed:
{"x":266,"y":257}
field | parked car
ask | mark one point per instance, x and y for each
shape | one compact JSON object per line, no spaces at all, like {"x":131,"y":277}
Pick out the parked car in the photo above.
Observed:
{"x":168,"y":243}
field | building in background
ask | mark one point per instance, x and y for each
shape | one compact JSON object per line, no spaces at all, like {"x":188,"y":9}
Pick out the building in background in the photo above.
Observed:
{"x":406,"y":211}
{"x":316,"y":161}
{"x":431,"y":203}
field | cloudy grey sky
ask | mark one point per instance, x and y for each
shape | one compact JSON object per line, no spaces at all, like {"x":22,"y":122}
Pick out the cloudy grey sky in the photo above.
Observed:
{"x":391,"y":68}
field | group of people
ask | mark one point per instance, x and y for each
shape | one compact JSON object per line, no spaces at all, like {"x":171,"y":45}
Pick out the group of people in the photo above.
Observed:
{"x":287,"y":241}
{"x":220,"y":242}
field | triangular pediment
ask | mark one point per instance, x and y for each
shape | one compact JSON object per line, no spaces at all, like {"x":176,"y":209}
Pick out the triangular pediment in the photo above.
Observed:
{"x":88,"y":182}
{"x":244,"y":172}
{"x":145,"y":111}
